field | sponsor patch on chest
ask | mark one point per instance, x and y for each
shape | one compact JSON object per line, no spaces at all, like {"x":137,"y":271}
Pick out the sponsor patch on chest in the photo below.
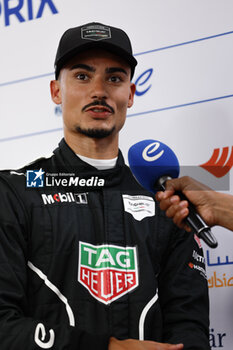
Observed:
{"x":107,"y":271}
{"x":139,"y":206}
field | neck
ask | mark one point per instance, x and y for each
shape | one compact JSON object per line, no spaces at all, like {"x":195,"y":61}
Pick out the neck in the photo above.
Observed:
{"x":106,"y":148}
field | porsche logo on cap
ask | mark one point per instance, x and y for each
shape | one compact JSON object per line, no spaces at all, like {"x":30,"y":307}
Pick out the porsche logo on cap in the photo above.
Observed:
{"x":95,"y":32}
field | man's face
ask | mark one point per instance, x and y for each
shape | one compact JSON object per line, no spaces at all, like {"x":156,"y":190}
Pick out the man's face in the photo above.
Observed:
{"x":94,"y":90}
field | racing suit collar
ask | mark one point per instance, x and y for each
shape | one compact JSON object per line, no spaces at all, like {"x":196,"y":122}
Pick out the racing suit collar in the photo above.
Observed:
{"x":68,"y":161}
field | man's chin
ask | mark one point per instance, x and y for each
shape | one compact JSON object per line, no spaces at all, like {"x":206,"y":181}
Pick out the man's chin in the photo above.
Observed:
{"x":95,"y":133}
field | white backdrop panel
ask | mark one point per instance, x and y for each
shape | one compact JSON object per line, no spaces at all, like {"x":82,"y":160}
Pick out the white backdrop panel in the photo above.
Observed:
{"x":186,"y":47}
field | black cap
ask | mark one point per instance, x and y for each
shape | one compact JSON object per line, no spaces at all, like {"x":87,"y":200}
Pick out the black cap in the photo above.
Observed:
{"x":94,"y":35}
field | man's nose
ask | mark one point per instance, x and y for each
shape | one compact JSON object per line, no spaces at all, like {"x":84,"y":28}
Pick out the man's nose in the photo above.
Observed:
{"x":99,"y":89}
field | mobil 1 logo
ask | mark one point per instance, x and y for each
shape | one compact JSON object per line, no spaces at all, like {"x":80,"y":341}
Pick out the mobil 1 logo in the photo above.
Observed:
{"x":107,"y":271}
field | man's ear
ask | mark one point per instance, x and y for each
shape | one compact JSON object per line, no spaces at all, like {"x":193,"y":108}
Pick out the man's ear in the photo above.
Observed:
{"x":55,"y":91}
{"x":131,"y":95}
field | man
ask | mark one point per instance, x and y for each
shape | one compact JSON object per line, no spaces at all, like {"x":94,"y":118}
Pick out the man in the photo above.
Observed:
{"x":88,"y":260}
{"x":214,"y":207}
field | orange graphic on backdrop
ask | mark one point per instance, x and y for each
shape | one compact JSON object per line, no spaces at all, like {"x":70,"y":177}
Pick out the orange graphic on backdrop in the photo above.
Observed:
{"x":219,"y":166}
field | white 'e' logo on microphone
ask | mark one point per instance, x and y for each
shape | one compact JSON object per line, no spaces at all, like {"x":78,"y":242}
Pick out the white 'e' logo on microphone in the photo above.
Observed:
{"x":146,"y":153}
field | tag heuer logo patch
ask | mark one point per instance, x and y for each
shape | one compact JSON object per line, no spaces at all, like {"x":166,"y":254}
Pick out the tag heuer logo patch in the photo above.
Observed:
{"x":95,"y":32}
{"x":107,"y":271}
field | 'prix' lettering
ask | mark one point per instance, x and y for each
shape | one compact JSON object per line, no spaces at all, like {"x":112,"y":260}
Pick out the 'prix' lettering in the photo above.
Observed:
{"x":16,"y":10}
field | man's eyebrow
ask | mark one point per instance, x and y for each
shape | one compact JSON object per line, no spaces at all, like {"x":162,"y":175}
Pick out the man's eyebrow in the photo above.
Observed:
{"x":83,"y":66}
{"x":116,"y":70}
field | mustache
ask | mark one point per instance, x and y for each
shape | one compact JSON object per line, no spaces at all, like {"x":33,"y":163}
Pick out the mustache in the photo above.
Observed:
{"x":98,"y":103}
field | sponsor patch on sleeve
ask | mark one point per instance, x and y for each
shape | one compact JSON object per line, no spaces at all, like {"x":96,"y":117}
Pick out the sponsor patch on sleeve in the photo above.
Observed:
{"x":197,"y":262}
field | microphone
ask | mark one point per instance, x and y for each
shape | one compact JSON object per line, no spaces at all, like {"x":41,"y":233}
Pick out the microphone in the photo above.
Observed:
{"x":153,"y":163}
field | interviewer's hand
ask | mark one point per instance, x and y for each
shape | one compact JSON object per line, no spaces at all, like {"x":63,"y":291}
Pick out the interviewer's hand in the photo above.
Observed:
{"x":132,"y":344}
{"x":202,"y":197}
